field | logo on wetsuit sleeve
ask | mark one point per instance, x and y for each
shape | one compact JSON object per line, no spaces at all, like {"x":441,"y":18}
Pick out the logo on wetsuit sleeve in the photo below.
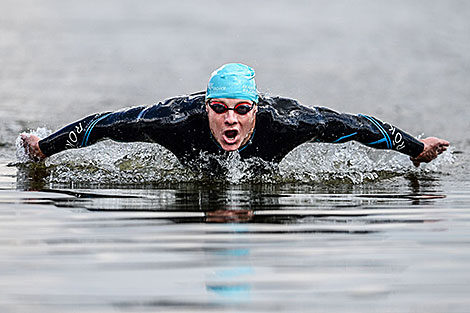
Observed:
{"x":73,"y":137}
{"x":398,"y":140}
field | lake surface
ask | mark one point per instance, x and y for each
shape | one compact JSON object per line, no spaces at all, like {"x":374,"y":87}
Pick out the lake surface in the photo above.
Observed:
{"x":336,"y":228}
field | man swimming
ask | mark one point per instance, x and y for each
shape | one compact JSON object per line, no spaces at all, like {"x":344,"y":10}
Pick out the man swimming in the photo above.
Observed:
{"x":231,"y":115}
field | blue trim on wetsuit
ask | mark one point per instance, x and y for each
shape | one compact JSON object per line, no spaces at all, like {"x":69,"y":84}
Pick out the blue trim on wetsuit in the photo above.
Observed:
{"x":384,"y":133}
{"x":376,"y":142}
{"x":344,"y":137}
{"x":141,"y":113}
{"x":90,"y":128}
{"x":215,"y":141}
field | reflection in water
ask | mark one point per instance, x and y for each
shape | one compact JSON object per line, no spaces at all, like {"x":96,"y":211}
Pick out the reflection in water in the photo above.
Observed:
{"x":243,"y":203}
{"x":229,"y":216}
{"x":320,"y":205}
{"x":232,"y":281}
{"x":216,"y":246}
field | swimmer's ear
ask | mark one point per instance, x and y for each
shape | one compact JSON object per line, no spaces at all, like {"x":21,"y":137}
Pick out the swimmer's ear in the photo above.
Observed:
{"x":207,"y":107}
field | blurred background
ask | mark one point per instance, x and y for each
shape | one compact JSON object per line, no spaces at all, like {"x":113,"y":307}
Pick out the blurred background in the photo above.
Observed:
{"x":406,"y":62}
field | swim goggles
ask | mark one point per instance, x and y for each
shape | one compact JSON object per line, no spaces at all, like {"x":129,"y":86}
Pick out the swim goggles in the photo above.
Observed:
{"x":241,"y":108}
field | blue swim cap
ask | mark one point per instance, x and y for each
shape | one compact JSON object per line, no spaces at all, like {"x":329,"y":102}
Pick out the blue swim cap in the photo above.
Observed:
{"x":233,"y":81}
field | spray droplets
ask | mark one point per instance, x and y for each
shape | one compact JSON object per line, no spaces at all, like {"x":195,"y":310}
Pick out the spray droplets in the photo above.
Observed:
{"x":143,"y":163}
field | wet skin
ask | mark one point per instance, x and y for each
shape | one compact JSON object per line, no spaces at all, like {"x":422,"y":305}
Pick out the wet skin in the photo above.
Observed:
{"x":230,"y":129}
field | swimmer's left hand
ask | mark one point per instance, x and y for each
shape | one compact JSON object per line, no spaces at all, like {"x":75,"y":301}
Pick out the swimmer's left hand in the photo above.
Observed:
{"x":432,"y":148}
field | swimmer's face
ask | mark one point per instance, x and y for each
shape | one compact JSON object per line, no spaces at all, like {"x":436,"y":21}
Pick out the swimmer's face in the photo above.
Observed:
{"x":231,"y":129}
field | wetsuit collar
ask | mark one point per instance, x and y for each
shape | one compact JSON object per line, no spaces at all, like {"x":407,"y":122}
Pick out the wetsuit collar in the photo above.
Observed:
{"x":248,"y":142}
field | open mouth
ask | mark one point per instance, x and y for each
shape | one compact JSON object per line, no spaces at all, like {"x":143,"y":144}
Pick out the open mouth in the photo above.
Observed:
{"x":230,"y":136}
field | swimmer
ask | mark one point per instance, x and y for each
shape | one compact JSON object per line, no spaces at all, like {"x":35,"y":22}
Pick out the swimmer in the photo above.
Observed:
{"x":231,"y":115}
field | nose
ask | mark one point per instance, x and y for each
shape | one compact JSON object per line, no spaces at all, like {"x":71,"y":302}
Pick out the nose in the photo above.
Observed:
{"x":230,"y":117}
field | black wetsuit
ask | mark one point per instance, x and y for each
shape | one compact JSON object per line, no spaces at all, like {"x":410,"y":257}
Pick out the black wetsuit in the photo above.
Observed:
{"x":181,"y":125}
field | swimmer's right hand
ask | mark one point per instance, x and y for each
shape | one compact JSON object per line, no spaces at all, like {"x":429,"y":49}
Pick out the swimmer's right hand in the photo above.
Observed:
{"x":31,"y":147}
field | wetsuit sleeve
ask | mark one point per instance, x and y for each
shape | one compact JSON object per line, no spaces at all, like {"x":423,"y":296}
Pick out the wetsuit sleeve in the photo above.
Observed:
{"x":126,"y":126}
{"x":336,"y":127}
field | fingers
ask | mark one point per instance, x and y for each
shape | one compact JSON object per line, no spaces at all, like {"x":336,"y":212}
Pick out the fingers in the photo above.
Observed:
{"x":436,"y":141}
{"x":433,"y":147}
{"x":415,"y":163}
{"x":441,"y":149}
{"x":24,"y":140}
{"x":441,"y":146}
{"x":445,"y":143}
{"x":31,"y":147}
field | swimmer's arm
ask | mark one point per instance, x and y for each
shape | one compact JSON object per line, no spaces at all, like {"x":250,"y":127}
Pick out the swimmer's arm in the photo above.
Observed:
{"x":337,"y":128}
{"x":70,"y":136}
{"x":158,"y":123}
{"x":122,"y":126}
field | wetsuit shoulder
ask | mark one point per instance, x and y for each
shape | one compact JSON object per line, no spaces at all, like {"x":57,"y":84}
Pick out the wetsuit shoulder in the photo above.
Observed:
{"x":284,"y":123}
{"x":281,"y":104}
{"x":281,"y":125}
{"x":160,"y":123}
{"x":285,"y":110}
{"x":176,"y":107}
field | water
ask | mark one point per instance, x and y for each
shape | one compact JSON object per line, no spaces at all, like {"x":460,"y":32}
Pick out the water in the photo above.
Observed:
{"x":334,"y":228}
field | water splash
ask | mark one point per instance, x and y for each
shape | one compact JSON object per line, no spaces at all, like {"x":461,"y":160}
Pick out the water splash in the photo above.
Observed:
{"x":109,"y":162}
{"x":21,"y":154}
{"x":351,"y":162}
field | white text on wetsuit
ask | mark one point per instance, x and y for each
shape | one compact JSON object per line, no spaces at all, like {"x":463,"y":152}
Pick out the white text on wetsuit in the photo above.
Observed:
{"x":398,"y":140}
{"x":73,"y":136}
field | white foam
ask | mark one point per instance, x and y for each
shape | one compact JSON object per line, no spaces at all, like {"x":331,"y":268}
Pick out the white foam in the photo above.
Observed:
{"x":109,"y":162}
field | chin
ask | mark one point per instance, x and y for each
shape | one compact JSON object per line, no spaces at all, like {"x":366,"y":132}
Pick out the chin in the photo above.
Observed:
{"x":234,"y":146}
{"x":230,"y":147}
